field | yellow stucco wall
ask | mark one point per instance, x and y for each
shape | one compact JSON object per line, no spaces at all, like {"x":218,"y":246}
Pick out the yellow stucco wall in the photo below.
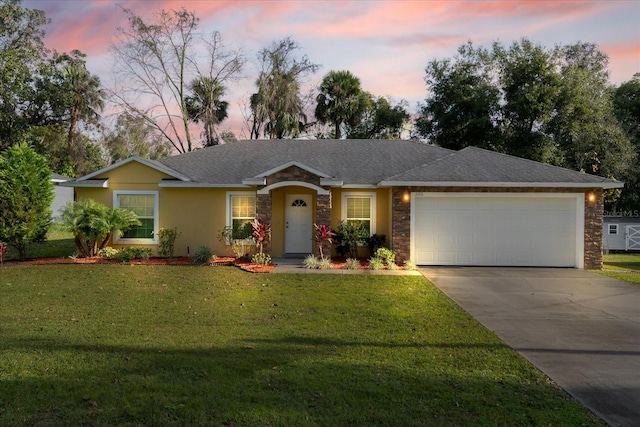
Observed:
{"x":198,"y":213}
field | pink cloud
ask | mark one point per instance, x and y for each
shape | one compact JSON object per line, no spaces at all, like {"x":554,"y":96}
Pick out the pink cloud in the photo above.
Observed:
{"x":624,"y":59}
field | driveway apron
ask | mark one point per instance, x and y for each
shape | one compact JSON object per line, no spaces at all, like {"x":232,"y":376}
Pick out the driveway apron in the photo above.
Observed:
{"x":580,"y":328}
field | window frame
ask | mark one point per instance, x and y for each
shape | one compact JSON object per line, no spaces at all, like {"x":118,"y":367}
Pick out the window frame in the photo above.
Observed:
{"x":613,"y":229}
{"x":229,"y":210}
{"x":118,"y":239}
{"x":360,"y":194}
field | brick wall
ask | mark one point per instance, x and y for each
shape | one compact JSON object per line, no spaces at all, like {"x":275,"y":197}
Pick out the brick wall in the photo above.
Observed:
{"x":293,"y":173}
{"x":263,"y":213}
{"x":401,"y":217}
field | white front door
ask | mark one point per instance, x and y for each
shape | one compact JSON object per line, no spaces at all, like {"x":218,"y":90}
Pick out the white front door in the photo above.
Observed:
{"x":298,"y":223}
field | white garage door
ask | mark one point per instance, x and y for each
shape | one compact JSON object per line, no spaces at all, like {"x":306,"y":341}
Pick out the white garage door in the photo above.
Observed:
{"x":499,"y":229}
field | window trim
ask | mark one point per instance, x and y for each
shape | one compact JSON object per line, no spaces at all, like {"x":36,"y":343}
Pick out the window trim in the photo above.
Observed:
{"x":230,"y":195}
{"x":117,"y":239}
{"x":372,"y":198}
{"x":613,"y":229}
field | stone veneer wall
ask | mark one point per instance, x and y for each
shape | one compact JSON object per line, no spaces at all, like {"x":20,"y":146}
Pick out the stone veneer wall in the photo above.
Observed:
{"x":294,"y":173}
{"x":593,"y":220}
{"x":263,"y":212}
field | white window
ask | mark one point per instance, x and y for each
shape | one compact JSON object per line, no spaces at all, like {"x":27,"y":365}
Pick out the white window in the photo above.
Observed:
{"x":241,"y":212}
{"x":360,"y":208}
{"x":145,"y":205}
{"x":613,"y":228}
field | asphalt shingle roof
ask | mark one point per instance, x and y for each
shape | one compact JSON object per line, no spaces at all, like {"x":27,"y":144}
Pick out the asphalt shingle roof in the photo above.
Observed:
{"x":364,"y":162}
{"x":473,"y":164}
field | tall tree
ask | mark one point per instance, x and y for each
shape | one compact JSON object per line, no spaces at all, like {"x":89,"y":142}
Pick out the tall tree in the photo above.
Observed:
{"x":530,"y":86}
{"x":341,"y":101}
{"x":380,"y":120}
{"x":546,"y":105}
{"x":21,"y":52}
{"x":277,"y":108}
{"x":133,"y":136}
{"x":464,"y":103}
{"x":26,"y":192}
{"x":205,"y":106}
{"x":155,"y":61}
{"x":626,"y":107}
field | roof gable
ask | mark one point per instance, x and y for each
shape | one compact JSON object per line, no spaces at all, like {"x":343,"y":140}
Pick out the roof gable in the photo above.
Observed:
{"x":146,"y":162}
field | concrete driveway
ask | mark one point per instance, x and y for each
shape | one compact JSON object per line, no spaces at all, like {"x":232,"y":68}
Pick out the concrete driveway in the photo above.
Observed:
{"x":580,"y":328}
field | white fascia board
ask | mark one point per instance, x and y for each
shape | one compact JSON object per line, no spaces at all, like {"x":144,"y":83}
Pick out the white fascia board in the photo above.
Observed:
{"x":364,"y":186}
{"x":611,"y":184}
{"x":145,"y":162}
{"x":294,"y":163}
{"x":190,"y":184}
{"x":327,"y":182}
{"x":88,"y":183}
{"x":254,"y":181}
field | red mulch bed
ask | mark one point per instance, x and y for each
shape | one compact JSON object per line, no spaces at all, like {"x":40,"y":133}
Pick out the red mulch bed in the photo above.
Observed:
{"x":247,"y":266}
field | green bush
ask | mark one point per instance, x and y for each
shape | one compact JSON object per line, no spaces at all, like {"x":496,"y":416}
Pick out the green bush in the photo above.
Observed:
{"x":387,"y":256}
{"x":324,"y":264}
{"x":310,"y":262}
{"x":261,"y":259}
{"x":375,"y":241}
{"x":348,"y":236}
{"x":202,"y":255}
{"x":409,"y":265}
{"x":375,"y":264}
{"x":352,"y":264}
{"x":167,"y":241}
{"x":107,"y":252}
{"x":127,"y":254}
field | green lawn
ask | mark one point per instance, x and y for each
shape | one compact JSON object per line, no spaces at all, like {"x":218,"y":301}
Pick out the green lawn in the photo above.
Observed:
{"x":622,"y":266}
{"x":166,"y":345}
{"x":59,"y":244}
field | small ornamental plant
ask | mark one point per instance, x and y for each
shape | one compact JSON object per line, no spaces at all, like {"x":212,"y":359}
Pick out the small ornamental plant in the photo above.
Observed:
{"x":261,"y":235}
{"x":323,"y":235}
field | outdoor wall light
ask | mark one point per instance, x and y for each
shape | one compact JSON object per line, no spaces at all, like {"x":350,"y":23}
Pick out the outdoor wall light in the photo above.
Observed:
{"x":591,"y":197}
{"x":406,"y":197}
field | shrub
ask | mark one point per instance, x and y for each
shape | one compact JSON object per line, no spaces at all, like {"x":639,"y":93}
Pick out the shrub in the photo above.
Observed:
{"x":375,"y":241}
{"x":310,"y":262}
{"x":261,"y":233}
{"x":167,"y":240}
{"x":324,"y":264}
{"x":26,"y":193}
{"x":261,"y":259}
{"x":387,"y":256}
{"x":375,"y":264}
{"x":352,"y":264}
{"x":348,"y":236}
{"x":409,"y":265}
{"x":239,"y":247}
{"x":202,"y":255}
{"x":107,"y":252}
{"x":93,"y":224}
{"x":127,"y":254}
{"x":392,"y":266}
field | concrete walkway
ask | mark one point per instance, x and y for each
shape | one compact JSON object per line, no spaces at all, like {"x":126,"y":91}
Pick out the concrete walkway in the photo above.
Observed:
{"x":580,"y":328}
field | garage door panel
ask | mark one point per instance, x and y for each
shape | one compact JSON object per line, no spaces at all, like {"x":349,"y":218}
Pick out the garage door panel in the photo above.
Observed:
{"x":495,"y":230}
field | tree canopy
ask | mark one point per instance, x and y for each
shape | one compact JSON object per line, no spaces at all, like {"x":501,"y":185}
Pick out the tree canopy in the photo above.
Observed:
{"x":341,"y":101}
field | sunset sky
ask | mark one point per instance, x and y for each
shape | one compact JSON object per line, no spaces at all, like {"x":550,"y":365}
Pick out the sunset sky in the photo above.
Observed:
{"x":385,"y":43}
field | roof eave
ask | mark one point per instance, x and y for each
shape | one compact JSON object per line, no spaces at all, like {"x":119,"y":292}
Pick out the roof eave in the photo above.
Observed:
{"x":191,"y":184}
{"x":87,"y":183}
{"x":610,"y":184}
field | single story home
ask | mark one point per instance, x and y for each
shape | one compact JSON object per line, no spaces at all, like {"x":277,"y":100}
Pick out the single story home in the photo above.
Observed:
{"x":621,"y":233}
{"x":62,"y":195}
{"x":435,"y":206}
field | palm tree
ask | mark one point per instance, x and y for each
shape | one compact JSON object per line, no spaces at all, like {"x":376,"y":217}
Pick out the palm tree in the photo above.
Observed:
{"x":205,"y":107}
{"x":84,"y":97}
{"x":341,"y":100}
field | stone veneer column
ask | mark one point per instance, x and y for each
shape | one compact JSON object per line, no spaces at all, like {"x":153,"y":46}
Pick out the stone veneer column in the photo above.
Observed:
{"x":400,"y":224}
{"x":263,"y":212}
{"x":593,"y":223}
{"x":323,"y":216}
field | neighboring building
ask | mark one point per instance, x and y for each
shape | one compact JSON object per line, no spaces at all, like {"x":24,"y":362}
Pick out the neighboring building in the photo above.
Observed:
{"x":63,"y":195}
{"x":436,"y":206}
{"x":621,"y":233}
